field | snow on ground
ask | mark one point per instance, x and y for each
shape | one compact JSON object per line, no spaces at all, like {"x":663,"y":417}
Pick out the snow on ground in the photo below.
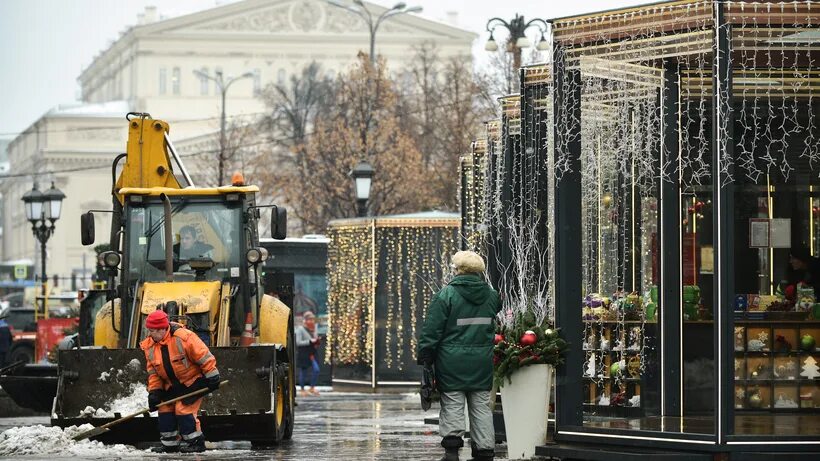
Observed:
{"x":45,"y":440}
{"x":135,"y":401}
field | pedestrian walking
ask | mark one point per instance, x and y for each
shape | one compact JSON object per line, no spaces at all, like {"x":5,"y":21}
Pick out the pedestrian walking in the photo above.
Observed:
{"x":6,"y":338}
{"x":307,"y":341}
{"x":457,"y":337}
{"x":178,"y":362}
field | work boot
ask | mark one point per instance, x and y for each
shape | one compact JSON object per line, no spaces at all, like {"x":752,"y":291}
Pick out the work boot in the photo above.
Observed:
{"x":195,"y":445}
{"x":451,"y":454}
{"x":164,"y":449}
{"x":451,"y":446}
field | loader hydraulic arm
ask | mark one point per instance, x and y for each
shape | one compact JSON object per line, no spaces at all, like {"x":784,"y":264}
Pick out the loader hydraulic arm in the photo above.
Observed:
{"x":147,"y":163}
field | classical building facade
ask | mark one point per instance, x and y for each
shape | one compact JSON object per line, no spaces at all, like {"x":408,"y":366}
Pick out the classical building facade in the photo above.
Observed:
{"x":150,"y":68}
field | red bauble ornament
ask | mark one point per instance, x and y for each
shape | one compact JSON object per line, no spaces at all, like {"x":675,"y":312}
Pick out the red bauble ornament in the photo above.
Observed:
{"x":528,"y":339}
{"x":498,"y":339}
{"x":789,"y":292}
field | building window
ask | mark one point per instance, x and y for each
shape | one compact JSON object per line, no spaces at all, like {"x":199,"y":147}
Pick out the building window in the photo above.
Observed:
{"x":203,"y":82}
{"x":280,"y":76}
{"x":219,"y":76}
{"x":175,"y":80}
{"x":257,"y":82}
{"x":162,"y":82}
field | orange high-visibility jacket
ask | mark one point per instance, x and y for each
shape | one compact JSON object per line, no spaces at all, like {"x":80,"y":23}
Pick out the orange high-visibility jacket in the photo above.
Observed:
{"x":180,"y":358}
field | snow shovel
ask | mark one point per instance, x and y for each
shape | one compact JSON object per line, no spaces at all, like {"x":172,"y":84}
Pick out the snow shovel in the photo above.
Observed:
{"x":105,"y":427}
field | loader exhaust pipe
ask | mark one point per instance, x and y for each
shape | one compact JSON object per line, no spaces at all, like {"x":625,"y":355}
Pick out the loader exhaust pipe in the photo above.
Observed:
{"x":169,"y":240}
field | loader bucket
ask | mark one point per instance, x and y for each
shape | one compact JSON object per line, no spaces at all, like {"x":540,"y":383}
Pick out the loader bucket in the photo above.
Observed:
{"x":30,"y":386}
{"x":242,"y":410}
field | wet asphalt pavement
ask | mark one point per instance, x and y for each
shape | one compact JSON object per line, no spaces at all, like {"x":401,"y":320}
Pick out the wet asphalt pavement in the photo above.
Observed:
{"x":333,"y":426}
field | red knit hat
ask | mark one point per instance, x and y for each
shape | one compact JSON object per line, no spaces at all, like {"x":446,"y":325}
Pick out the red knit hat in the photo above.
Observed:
{"x":157,"y":320}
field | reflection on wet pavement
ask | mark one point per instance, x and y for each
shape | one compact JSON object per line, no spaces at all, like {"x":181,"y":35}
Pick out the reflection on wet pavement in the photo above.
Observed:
{"x":334,"y":426}
{"x":360,"y":426}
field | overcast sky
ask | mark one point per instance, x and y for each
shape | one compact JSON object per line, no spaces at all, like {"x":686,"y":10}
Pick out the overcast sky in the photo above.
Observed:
{"x":47,"y":43}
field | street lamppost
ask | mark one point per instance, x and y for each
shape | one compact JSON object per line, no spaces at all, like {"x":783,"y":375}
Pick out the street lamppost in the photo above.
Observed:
{"x":362,"y":175}
{"x":42,"y":211}
{"x":518,"y":39}
{"x":373,"y":24}
{"x":223,"y":88}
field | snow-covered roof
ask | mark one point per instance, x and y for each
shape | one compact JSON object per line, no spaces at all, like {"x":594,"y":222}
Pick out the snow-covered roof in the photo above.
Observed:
{"x":102,"y":109}
{"x":433,"y":218}
{"x":311,"y":238}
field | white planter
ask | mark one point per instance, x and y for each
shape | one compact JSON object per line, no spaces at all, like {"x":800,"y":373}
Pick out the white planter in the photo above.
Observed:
{"x":525,"y":402}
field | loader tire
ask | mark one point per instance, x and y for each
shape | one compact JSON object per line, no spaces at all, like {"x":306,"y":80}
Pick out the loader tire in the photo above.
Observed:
{"x":290,"y":384}
{"x":280,"y":409}
{"x":283,"y":411}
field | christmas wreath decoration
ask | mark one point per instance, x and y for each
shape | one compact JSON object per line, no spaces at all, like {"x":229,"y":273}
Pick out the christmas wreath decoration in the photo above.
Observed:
{"x":525,"y":343}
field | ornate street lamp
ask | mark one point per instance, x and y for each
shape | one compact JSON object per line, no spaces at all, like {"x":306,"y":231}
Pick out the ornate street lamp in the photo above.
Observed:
{"x":223,"y":88}
{"x":362,"y":175}
{"x":373,"y":23}
{"x":518,"y":39}
{"x":42,"y":211}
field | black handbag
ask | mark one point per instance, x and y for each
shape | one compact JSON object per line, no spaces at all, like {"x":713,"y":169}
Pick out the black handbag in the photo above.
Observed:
{"x":427,"y":392}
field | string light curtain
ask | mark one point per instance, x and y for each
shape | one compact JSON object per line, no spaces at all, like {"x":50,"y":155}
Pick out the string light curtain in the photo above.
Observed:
{"x":382,"y":273}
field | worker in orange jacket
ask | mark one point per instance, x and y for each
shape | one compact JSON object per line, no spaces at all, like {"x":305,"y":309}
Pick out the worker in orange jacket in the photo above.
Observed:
{"x":178,"y":362}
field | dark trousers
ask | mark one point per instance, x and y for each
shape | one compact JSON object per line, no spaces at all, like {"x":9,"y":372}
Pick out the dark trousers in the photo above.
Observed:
{"x":314,"y":373}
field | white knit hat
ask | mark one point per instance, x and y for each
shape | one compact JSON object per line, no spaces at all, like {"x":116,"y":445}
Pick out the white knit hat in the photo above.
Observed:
{"x":468,"y":262}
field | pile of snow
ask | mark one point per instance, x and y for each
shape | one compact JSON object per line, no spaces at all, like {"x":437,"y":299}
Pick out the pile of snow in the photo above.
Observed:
{"x":136,"y":400}
{"x":133,"y":365}
{"x":44,"y":440}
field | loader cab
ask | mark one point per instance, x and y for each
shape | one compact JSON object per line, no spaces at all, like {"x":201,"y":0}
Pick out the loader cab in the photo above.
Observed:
{"x":210,"y":239}
{"x":214,"y":238}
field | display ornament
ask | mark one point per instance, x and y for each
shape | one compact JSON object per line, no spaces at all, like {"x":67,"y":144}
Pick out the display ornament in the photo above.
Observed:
{"x":807,"y":343}
{"x":810,"y":369}
{"x":537,"y":344}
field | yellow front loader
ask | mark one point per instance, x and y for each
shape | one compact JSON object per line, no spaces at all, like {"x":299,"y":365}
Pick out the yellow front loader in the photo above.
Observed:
{"x":194,"y":253}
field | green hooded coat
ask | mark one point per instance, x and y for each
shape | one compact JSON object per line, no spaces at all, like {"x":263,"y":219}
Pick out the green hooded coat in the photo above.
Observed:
{"x":458,"y":334}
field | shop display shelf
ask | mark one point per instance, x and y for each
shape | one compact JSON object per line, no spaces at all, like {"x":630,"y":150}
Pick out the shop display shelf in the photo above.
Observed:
{"x":616,"y":322}
{"x":767,"y":322}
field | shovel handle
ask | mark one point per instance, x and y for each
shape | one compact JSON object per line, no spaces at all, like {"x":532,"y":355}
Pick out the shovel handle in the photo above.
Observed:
{"x":104,"y":428}
{"x":190,"y":394}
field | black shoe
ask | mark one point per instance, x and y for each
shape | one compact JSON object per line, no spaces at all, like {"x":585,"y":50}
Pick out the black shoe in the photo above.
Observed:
{"x":164,"y":449}
{"x":482,"y":455}
{"x":195,"y":445}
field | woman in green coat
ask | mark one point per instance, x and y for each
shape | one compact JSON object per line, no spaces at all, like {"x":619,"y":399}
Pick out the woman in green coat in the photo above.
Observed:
{"x":458,"y":338}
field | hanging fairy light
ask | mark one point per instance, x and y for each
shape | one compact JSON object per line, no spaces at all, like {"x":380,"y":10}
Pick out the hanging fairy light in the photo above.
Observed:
{"x":403,"y":259}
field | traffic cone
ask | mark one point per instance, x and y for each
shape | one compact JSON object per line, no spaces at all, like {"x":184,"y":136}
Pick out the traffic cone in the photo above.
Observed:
{"x":247,"y":337}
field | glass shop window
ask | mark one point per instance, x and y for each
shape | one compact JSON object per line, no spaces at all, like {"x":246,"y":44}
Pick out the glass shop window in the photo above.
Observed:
{"x":777,"y":269}
{"x":621,"y":245}
{"x":695,"y":388}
